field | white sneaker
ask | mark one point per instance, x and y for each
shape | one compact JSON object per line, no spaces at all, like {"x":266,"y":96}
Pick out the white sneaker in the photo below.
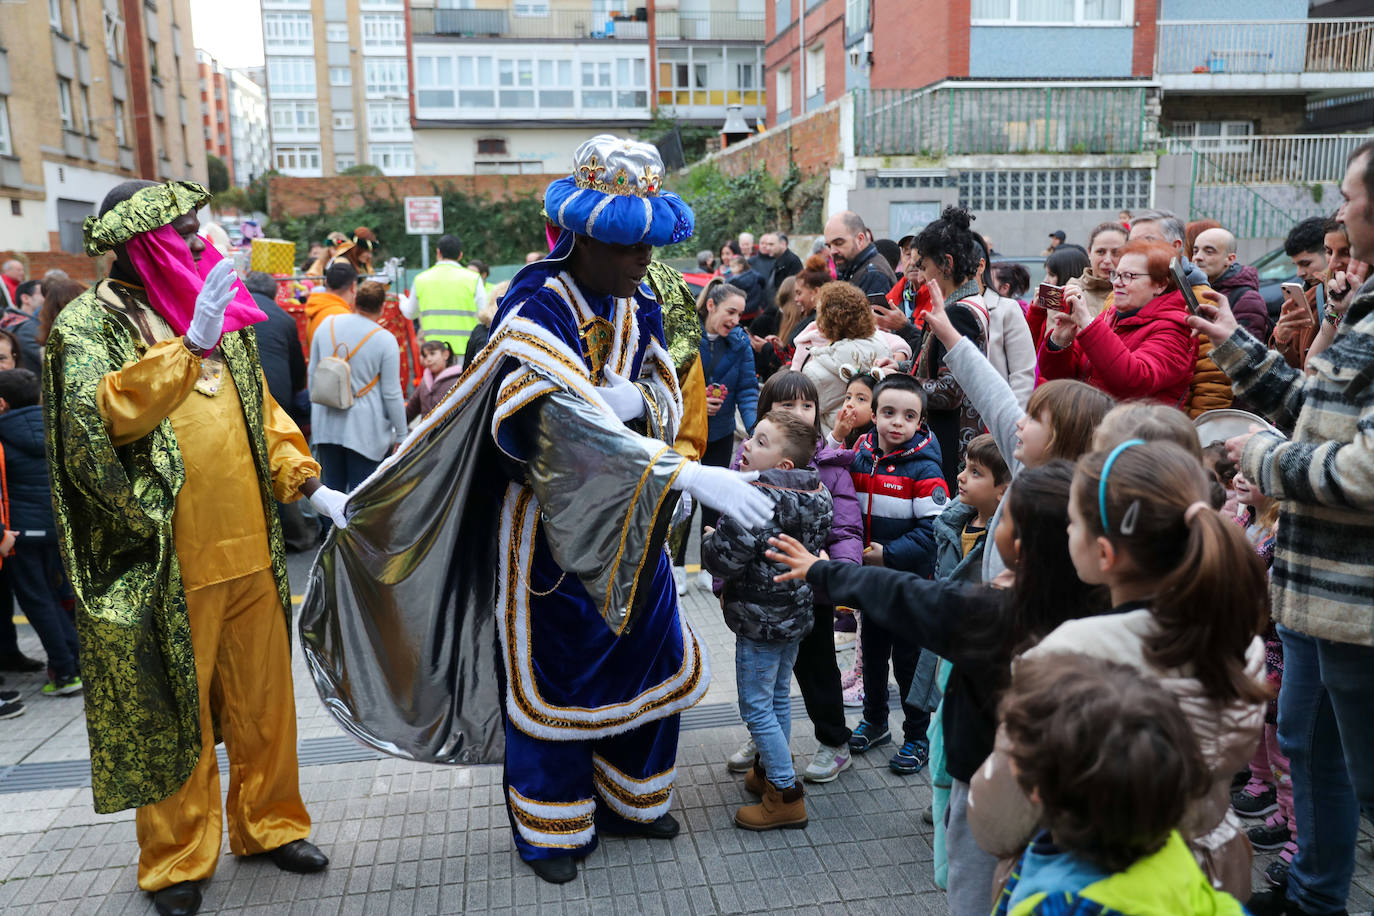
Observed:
{"x":680,"y":580}
{"x":742,"y":760}
{"x":704,"y":580}
{"x":828,"y":763}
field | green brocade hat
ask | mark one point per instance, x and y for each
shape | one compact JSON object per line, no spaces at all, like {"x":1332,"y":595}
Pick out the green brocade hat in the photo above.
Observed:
{"x":149,"y":208}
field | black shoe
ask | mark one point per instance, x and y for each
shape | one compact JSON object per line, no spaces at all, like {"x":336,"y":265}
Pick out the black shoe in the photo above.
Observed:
{"x":11,"y":709}
{"x":8,"y":696}
{"x":299,"y":856}
{"x":1269,"y":836}
{"x":178,"y":900}
{"x":18,"y":661}
{"x":1277,"y":873}
{"x":665,"y":828}
{"x":1262,"y":805}
{"x":555,"y":871}
{"x":1239,"y":780}
{"x":1275,"y":902}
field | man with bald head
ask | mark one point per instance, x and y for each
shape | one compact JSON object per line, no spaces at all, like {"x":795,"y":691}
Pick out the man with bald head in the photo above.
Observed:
{"x":857,"y":259}
{"x":1165,"y":226}
{"x":12,"y":272}
{"x":1214,"y":254}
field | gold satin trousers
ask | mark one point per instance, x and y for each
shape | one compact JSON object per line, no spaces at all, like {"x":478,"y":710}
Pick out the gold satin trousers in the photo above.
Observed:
{"x":243,"y":668}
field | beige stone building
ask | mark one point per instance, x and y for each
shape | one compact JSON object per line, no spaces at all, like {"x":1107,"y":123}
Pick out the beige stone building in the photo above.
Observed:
{"x":92,"y":92}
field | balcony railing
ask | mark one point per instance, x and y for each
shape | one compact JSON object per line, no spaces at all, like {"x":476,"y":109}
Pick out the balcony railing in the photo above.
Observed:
{"x":1260,"y":47}
{"x":506,"y":23}
{"x":669,"y":25}
{"x":1277,"y":159}
{"x":953,"y":119}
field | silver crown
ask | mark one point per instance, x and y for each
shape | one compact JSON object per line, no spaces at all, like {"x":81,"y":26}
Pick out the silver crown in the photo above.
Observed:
{"x":615,"y":165}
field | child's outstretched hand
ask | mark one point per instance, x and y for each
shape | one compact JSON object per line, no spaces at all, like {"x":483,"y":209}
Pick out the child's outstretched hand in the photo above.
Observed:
{"x":789,"y":551}
{"x":844,"y":424}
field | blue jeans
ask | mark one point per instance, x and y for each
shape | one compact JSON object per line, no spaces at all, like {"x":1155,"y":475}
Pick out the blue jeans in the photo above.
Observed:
{"x":36,"y":575}
{"x":763,"y":678}
{"x":1325,"y":731}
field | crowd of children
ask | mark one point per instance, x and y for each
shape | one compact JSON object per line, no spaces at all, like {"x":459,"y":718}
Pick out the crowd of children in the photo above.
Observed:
{"x":1085,"y":616}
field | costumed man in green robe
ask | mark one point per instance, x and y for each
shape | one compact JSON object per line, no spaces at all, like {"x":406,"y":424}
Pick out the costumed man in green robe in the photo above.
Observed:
{"x":167,"y":456}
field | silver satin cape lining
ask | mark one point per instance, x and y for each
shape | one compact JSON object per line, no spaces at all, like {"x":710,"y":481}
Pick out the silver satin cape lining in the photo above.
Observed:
{"x":398,"y":624}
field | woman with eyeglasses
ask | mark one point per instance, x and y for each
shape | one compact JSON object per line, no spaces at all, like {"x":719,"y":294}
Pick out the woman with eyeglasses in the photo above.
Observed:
{"x":1140,"y":345}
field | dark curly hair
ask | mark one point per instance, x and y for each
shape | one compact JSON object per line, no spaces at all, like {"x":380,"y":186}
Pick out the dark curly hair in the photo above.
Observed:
{"x":949,"y":243}
{"x":843,"y":312}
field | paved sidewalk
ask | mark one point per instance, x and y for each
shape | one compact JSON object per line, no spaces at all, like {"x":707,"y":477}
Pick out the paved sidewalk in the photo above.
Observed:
{"x":411,"y":838}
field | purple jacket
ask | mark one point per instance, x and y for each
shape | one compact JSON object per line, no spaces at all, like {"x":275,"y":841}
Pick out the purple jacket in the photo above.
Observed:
{"x":846,"y":542}
{"x":1240,"y":285}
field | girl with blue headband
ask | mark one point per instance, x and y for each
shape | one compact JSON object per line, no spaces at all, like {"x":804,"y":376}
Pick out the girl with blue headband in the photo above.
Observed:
{"x":1189,"y":597}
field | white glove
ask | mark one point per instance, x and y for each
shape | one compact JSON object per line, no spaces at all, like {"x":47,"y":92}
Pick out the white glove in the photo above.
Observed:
{"x":726,"y":491}
{"x":622,"y":396}
{"x":207,"y":324}
{"x":331,"y":503}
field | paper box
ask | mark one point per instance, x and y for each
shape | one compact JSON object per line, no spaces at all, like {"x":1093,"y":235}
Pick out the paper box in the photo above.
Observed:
{"x":273,"y":256}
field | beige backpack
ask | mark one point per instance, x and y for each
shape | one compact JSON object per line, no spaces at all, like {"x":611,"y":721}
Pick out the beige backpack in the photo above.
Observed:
{"x":332,"y":384}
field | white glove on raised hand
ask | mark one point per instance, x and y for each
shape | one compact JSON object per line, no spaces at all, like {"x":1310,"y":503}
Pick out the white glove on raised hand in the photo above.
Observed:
{"x":331,"y":503}
{"x":726,"y":491}
{"x":207,"y":323}
{"x":622,"y":396}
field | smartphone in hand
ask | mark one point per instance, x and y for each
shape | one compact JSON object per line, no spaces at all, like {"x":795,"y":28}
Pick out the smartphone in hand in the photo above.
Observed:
{"x":1294,"y":294}
{"x":1186,"y":288}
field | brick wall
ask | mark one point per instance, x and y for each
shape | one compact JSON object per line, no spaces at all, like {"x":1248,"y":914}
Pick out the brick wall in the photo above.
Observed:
{"x":79,"y":267}
{"x":919,"y":42}
{"x":813,"y":142}
{"x":305,"y":196}
{"x":1143,"y":43}
{"x":1272,"y":114}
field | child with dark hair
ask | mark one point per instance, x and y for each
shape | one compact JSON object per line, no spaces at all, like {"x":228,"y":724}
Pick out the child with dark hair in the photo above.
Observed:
{"x":1113,"y":762}
{"x":441,"y":374}
{"x":816,"y":670}
{"x":855,"y":418}
{"x":34,"y":568}
{"x":770,"y":618}
{"x":901,"y":488}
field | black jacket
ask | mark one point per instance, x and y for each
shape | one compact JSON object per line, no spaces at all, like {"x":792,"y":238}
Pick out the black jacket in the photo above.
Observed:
{"x":785,"y":265}
{"x":26,"y":474}
{"x":940,"y":616}
{"x":25,"y":329}
{"x":870,"y":272}
{"x":754,"y":297}
{"x":279,"y":348}
{"x":755,"y":606}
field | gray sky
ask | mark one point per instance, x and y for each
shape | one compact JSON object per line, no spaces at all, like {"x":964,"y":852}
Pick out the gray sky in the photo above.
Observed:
{"x":231,"y":32}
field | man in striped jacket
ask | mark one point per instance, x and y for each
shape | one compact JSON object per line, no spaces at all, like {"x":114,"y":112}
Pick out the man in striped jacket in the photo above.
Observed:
{"x":1323,"y":573}
{"x":901,"y":488}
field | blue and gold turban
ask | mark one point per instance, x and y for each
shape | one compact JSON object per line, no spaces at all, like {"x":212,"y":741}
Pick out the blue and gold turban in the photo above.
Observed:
{"x":615,"y":194}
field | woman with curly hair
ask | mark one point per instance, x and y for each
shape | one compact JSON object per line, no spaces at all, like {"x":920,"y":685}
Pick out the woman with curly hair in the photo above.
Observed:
{"x":845,"y":343}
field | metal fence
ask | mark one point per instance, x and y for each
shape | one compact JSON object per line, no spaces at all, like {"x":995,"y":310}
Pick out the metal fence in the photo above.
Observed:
{"x":978,"y":119}
{"x":1274,"y":46}
{"x":1276,"y":159}
{"x":669,"y":25}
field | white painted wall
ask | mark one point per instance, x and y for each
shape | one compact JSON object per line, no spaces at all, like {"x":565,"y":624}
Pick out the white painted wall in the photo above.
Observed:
{"x":453,"y":151}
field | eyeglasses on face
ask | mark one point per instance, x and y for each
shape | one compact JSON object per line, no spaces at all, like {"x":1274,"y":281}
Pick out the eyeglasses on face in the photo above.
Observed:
{"x":1125,"y":276}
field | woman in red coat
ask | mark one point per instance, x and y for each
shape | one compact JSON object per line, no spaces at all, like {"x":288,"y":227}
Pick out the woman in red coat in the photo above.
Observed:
{"x":1140,"y":346}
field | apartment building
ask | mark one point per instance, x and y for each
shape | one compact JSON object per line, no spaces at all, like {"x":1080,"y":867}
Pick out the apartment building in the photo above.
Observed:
{"x":1053,"y":114}
{"x":214,"y":109}
{"x":92,"y":92}
{"x":250,"y":140}
{"x":338,"y":86}
{"x":514,"y":87}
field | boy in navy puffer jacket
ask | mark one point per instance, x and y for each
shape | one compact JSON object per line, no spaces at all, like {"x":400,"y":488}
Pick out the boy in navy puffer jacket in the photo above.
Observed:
{"x":901,"y":488}
{"x":34,"y":570}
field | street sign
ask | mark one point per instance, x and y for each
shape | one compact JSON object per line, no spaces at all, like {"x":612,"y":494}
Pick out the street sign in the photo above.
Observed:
{"x":424,"y":216}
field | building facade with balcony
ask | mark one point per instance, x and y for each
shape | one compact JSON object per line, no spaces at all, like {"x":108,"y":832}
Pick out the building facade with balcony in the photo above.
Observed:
{"x":214,"y":110}
{"x":91,"y":94}
{"x":250,"y":139}
{"x":515,"y":87}
{"x":338,"y":86}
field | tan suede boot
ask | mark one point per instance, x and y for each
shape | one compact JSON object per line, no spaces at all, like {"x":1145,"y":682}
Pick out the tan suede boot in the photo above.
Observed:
{"x":780,"y":808}
{"x":756,"y":779}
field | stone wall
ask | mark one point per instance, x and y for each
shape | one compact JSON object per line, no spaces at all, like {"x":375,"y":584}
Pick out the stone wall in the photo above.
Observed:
{"x":287,"y":197}
{"x":812,"y":142}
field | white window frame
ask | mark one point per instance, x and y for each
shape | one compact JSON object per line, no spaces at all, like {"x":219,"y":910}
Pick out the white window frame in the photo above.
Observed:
{"x":344,"y":161}
{"x":782,"y":85}
{"x":388,"y":120}
{"x":481,"y":81}
{"x":392,"y":158}
{"x":385,"y":76}
{"x":1230,"y":137}
{"x":302,"y":67}
{"x":113,"y":26}
{"x":531,"y":8}
{"x":55,"y":14}
{"x":74,"y":27}
{"x":286,"y":4}
{"x":287,"y":32}
{"x":65,"y":112}
{"x":815,"y":72}
{"x":345,"y":72}
{"x":431,"y":79}
{"x":85,"y":95}
{"x":295,"y":120}
{"x":856,"y":17}
{"x":6,"y":144}
{"x":336,"y":31}
{"x":344,"y":120}
{"x":383,"y":33}
{"x":1126,"y":19}
{"x":304,"y":161}
{"x":120,"y":128}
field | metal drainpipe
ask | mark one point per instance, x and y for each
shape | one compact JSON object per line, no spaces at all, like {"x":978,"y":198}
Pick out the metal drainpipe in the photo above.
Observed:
{"x":801,"y":52}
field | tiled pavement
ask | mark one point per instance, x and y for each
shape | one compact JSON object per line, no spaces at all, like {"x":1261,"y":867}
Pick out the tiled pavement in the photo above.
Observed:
{"x":410,"y":838}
